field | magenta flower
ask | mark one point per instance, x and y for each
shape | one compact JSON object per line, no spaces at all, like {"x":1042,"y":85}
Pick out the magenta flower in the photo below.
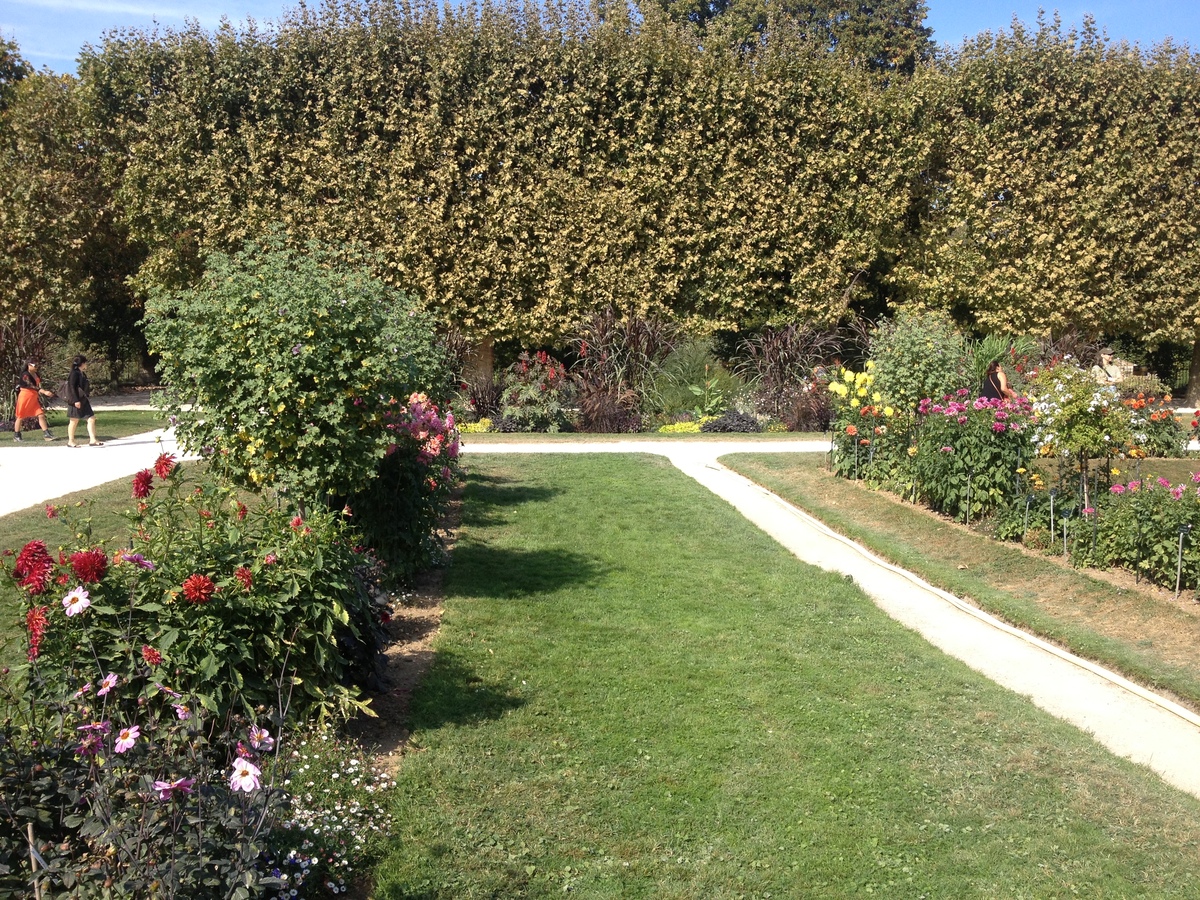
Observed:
{"x":76,"y":601}
{"x":962,"y":420}
{"x":1117,"y":489}
{"x":999,"y":427}
{"x":181,"y":712}
{"x":1196,"y":477}
{"x":1089,"y":510}
{"x":168,"y":789}
{"x":96,"y":727}
{"x":127,"y":737}
{"x":1177,"y":492}
{"x":1163,"y":482}
{"x":83,"y":690}
{"x":109,"y":682}
{"x":245,"y":776}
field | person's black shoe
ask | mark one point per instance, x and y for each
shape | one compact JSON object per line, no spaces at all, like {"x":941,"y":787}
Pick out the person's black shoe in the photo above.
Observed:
{"x":17,"y":436}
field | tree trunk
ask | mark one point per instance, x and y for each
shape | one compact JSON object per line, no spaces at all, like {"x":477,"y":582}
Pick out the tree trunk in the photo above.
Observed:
{"x":481,"y":361}
{"x":1193,"y":386}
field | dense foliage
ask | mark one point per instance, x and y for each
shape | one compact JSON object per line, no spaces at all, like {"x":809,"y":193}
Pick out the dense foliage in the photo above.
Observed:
{"x":281,"y":366}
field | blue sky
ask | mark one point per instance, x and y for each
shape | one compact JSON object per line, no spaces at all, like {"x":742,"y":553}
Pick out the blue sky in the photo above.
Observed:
{"x":51,"y":32}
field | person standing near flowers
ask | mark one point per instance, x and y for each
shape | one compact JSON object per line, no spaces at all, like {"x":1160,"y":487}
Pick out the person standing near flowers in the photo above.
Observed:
{"x":995,"y":383}
{"x":29,"y":402}
{"x":79,"y":404}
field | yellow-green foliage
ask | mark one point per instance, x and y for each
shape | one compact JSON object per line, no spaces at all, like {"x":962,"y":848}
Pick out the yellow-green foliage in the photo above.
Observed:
{"x":483,"y":426}
{"x":680,"y":428}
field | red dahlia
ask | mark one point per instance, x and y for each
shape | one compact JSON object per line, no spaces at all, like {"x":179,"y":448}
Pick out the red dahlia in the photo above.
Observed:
{"x":33,"y":567}
{"x":90,"y":565}
{"x":198,"y":588}
{"x":151,"y":656}
{"x":241,"y":511}
{"x":143,"y":481}
{"x":164,"y":464}
{"x":36,"y":622}
{"x":245,"y":576}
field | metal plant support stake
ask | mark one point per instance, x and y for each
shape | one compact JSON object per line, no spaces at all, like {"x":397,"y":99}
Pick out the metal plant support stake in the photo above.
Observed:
{"x":856,"y":458}
{"x":1064,"y":521}
{"x":1183,"y":529}
{"x":1137,"y":566}
{"x":1028,"y":501}
{"x":1053,"y":494}
{"x":970,"y":478}
{"x":832,"y":448}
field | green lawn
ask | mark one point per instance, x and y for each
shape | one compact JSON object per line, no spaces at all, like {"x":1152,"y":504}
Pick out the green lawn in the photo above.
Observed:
{"x":638,"y":694}
{"x":110,"y":424}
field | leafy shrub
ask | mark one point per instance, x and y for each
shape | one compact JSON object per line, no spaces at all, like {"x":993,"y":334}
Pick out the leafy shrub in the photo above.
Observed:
{"x":1153,"y":428}
{"x":399,"y":513}
{"x":483,"y":426}
{"x":538,"y":395}
{"x":1077,"y":419}
{"x":680,"y":428}
{"x":969,"y":451}
{"x":919,"y":354}
{"x":229,"y":596}
{"x":732,"y":420}
{"x":280,"y":366}
{"x":693,"y":380}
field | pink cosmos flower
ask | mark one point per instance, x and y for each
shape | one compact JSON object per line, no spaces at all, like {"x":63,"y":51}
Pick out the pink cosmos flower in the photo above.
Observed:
{"x":260,"y":738}
{"x":109,"y":682}
{"x":83,"y":690}
{"x":181,"y":712}
{"x":76,"y":601}
{"x":168,"y":789}
{"x":127,"y":737}
{"x":244,"y":776}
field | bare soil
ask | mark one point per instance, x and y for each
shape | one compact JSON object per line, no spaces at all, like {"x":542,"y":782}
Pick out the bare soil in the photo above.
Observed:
{"x":415,"y":621}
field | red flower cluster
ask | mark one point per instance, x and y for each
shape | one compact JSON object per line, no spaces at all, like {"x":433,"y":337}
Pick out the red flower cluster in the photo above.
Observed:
{"x":297,"y":523}
{"x":90,"y":566}
{"x":151,"y":656}
{"x":164,"y":464}
{"x":198,"y":588}
{"x":36,"y":622}
{"x":241,"y":511}
{"x":245,"y":576}
{"x":33,"y":567}
{"x":143,"y":481}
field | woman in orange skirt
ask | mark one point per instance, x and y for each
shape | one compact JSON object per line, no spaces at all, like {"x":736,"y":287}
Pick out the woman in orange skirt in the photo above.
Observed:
{"x":29,"y":402}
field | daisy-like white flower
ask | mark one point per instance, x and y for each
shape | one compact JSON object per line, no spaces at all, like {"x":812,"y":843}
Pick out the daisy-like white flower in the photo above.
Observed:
{"x":244,"y":776}
{"x":76,"y":601}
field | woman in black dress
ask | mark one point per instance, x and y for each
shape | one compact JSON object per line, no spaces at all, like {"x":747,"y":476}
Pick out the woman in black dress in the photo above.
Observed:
{"x":995,"y":383}
{"x":79,"y":404}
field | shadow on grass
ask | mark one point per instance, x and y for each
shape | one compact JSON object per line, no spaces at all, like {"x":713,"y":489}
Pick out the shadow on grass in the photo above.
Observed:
{"x":491,"y":495}
{"x":507,"y":574}
{"x":452,"y":694}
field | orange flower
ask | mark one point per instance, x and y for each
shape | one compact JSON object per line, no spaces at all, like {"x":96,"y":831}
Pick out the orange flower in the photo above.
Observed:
{"x":851,"y":430}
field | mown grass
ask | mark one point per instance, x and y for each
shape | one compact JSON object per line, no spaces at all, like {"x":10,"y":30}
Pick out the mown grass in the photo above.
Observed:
{"x":493,"y":437}
{"x":1121,"y":627}
{"x":638,"y":694}
{"x":110,"y":425}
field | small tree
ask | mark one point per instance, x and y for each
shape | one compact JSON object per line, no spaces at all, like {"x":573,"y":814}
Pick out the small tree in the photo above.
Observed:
{"x":281,"y":364}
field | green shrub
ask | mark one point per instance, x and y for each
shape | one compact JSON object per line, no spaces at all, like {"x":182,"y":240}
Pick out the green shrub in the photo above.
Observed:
{"x":232,"y":597}
{"x":917,"y":355}
{"x":694,"y":381}
{"x":280,"y":366}
{"x":538,"y":395}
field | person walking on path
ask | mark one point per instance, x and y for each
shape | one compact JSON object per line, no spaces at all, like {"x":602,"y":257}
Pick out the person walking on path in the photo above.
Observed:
{"x":79,"y":403}
{"x":29,"y":402}
{"x":995,"y":383}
